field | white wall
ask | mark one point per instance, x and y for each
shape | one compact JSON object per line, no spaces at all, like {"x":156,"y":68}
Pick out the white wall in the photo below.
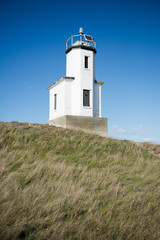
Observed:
{"x":97,"y":100}
{"x":64,"y":98}
{"x":68,"y":96}
{"x":87,"y":78}
{"x":59,"y":89}
{"x":84,"y":79}
{"x":73,"y":69}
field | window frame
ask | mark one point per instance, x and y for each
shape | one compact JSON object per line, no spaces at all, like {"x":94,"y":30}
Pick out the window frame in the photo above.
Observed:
{"x":86,"y":103}
{"x":86,"y":62}
{"x":55,"y":101}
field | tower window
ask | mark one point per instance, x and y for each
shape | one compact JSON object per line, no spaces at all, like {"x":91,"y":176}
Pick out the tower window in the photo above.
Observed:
{"x":86,"y":62}
{"x":86,"y":98}
{"x":55,"y":101}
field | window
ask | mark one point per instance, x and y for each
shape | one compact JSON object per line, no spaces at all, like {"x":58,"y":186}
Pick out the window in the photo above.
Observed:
{"x":86,"y":62}
{"x":86,"y":102}
{"x":55,"y":101}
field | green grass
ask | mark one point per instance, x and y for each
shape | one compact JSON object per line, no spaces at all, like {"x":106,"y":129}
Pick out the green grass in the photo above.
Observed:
{"x":63,"y":184}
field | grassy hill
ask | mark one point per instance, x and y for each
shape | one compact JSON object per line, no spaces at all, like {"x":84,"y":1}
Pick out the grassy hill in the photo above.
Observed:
{"x":63,"y":184}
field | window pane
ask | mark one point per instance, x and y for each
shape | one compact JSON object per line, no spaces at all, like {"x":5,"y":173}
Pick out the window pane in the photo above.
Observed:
{"x":55,"y":101}
{"x":86,"y":97}
{"x":86,"y":62}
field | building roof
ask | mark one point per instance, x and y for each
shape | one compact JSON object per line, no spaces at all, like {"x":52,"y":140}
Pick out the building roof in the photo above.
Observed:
{"x":82,"y":46}
{"x":59,"y":81}
{"x":99,"y":82}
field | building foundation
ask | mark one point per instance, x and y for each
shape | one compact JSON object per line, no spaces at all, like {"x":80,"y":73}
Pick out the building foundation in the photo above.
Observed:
{"x":94,"y":125}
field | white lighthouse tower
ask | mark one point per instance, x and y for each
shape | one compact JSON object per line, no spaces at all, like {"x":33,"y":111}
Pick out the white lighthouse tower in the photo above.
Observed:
{"x":75,"y":100}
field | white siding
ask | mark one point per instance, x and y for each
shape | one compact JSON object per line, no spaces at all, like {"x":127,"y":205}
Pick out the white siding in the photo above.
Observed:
{"x":73,"y":69}
{"x":84,"y":79}
{"x":87,"y":79}
{"x":97,"y":100}
{"x":63,"y":90}
{"x":60,"y":91}
{"x":68,"y":97}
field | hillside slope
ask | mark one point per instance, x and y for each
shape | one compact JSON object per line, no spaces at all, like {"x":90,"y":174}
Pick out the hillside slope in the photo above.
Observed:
{"x":63,"y":184}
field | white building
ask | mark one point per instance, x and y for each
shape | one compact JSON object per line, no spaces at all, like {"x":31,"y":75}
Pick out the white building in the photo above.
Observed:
{"x":79,"y":93}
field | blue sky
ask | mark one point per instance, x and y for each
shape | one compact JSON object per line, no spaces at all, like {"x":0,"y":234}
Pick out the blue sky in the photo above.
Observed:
{"x":32,"y":57}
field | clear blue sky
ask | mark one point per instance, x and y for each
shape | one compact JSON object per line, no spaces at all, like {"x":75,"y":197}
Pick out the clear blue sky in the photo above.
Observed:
{"x":32,"y":57}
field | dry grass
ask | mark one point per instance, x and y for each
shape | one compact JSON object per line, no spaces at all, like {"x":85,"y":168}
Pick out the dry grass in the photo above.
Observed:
{"x":61,"y":184}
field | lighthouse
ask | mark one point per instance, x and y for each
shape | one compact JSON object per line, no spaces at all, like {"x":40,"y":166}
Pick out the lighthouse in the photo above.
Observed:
{"x":75,"y":99}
